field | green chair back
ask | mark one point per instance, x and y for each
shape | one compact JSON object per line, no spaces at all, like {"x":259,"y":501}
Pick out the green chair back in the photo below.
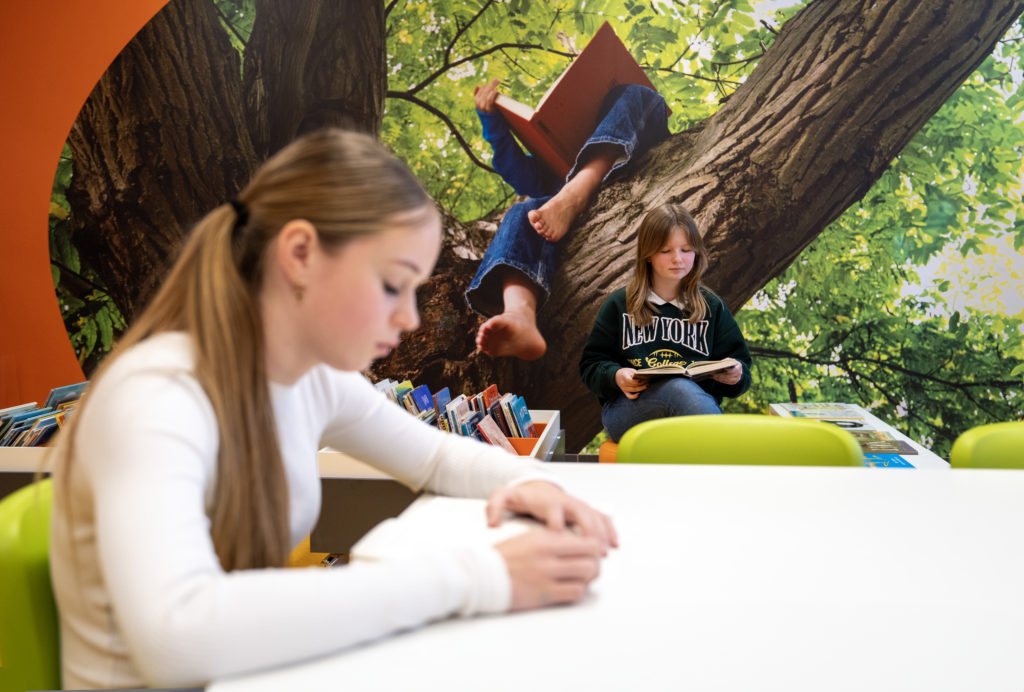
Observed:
{"x":739,"y":439}
{"x":29,"y":634}
{"x":993,"y":446}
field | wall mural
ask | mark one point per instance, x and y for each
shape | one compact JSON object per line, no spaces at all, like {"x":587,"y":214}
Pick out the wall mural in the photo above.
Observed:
{"x":849,"y":162}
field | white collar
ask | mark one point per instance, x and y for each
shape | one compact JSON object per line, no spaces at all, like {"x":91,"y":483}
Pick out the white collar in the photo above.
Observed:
{"x":653,"y":297}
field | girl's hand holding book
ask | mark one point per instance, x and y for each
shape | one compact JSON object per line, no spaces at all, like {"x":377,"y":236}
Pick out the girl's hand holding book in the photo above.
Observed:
{"x":730,"y":376}
{"x":546,"y":567}
{"x":554,"y":507}
{"x":484,"y":96}
{"x":629,"y":382}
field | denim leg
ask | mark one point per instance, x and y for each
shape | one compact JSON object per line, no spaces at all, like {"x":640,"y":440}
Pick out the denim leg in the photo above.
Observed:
{"x":665,"y":397}
{"x":517,"y":246}
{"x":636,"y":119}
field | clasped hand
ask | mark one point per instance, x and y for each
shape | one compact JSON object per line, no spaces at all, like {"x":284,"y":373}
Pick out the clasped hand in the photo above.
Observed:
{"x":554,"y":565}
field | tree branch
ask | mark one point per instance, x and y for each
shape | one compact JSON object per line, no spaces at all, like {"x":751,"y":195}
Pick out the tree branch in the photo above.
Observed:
{"x":462,"y":30}
{"x":469,"y":58}
{"x":405,"y":96}
{"x":963,"y":386}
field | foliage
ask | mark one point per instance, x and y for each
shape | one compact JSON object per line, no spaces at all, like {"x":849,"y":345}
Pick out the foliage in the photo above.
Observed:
{"x":90,"y":316}
{"x":856,"y":318}
{"x":696,"y":53}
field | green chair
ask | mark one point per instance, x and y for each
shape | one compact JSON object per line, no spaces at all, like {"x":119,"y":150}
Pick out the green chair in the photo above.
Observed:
{"x":993,"y":446}
{"x":29,"y":634}
{"x":739,"y":439}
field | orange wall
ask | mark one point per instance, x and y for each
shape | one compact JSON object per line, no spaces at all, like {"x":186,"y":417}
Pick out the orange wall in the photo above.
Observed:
{"x":51,"y":55}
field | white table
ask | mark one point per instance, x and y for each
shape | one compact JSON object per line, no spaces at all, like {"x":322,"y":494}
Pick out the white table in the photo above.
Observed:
{"x":748,"y":578}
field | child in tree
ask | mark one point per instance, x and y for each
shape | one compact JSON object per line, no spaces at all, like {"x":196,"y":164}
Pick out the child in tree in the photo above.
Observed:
{"x":190,"y":471}
{"x":664,"y":316}
{"x":514,"y":277}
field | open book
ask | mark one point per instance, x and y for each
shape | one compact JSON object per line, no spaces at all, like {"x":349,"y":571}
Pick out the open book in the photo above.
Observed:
{"x":697,"y":370}
{"x":568,"y":113}
{"x":434,"y":523}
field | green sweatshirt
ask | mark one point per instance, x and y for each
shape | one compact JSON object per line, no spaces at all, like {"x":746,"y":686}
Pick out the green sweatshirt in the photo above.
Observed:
{"x":615,"y":342}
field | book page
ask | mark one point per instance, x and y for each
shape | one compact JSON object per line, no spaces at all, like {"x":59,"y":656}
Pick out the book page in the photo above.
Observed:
{"x":434,"y":522}
{"x":510,"y":104}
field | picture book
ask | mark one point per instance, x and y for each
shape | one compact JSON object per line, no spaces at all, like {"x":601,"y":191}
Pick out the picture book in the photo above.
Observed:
{"x":522,"y":415}
{"x":468,"y":424}
{"x":893,"y":461}
{"x":489,"y":396}
{"x":568,"y":113}
{"x":817,"y":409}
{"x":61,"y":395}
{"x":498,"y":415}
{"x":422,"y":398}
{"x":442,"y":398}
{"x":454,"y":410}
{"x":697,"y":370}
{"x":506,"y":410}
{"x":492,"y":433}
{"x":881,"y":442}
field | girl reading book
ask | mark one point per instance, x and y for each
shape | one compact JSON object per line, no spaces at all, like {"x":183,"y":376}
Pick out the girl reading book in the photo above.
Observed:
{"x":190,"y":470}
{"x":514,"y":277}
{"x":664,"y":316}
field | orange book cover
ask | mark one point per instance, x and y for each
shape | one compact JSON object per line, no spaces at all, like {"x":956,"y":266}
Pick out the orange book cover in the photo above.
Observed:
{"x":566,"y":116}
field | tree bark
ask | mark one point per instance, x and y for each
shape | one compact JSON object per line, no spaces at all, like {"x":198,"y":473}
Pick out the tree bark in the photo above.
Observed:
{"x":157,"y":144}
{"x":837,"y":96}
{"x":314,"y":64}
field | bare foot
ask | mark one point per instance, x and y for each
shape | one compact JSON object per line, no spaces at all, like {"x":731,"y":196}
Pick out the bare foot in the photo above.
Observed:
{"x":511,"y":334}
{"x":556,"y":215}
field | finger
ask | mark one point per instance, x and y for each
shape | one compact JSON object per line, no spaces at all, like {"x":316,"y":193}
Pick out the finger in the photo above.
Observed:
{"x":554,"y":517}
{"x":570,"y":545}
{"x":564,"y":592}
{"x":582,"y":569}
{"x":589,"y":521}
{"x":613,"y":535}
{"x":496,"y":506}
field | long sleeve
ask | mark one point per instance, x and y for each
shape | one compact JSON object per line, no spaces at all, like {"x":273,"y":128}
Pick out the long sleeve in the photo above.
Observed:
{"x":143,"y":598}
{"x":525,"y":173}
{"x":602,"y":356}
{"x":728,"y":343}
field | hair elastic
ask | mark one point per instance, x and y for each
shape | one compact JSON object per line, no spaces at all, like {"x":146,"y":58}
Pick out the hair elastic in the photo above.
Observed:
{"x":241,"y":214}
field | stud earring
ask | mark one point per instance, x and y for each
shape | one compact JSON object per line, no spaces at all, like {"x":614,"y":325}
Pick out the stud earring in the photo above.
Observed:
{"x":300,"y":290}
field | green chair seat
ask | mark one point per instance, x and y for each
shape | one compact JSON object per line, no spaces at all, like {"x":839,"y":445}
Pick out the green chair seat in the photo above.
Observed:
{"x":739,"y":439}
{"x":992,"y":446}
{"x":29,"y":635}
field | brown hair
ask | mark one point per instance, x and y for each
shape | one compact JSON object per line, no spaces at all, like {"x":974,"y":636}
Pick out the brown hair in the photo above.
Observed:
{"x":651,"y":237}
{"x":346,"y":185}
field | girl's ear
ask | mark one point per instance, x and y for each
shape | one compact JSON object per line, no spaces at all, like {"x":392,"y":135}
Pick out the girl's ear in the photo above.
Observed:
{"x":297,"y":243}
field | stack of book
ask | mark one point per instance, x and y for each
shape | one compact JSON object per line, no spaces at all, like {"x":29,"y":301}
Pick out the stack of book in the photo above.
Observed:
{"x":488,"y":416}
{"x":31,"y":425}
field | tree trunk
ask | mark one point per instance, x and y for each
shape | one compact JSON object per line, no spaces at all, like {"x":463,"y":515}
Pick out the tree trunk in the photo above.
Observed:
{"x":157,"y":144}
{"x":314,"y":64}
{"x":839,"y":94}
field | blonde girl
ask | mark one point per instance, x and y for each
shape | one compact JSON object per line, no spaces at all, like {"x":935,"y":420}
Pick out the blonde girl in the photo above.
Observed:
{"x":190,"y":472}
{"x":663,"y":316}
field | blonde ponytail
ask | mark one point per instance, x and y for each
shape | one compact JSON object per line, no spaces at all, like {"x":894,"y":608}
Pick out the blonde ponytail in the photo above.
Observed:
{"x":344,"y":183}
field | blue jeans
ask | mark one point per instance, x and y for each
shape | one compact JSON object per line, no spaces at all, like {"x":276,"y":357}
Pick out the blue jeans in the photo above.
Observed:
{"x":636,"y":119}
{"x":665,"y":397}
